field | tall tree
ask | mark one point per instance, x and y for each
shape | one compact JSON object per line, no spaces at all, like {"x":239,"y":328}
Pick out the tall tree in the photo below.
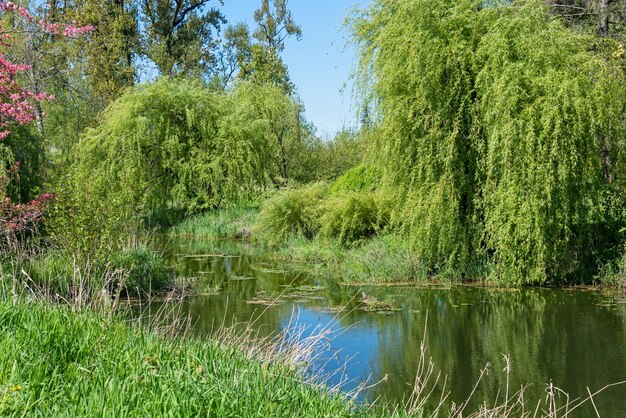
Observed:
{"x":493,"y":129}
{"x":110,"y":52}
{"x":178,"y":34}
{"x":25,"y":38}
{"x":233,"y":53}
{"x":274,"y":24}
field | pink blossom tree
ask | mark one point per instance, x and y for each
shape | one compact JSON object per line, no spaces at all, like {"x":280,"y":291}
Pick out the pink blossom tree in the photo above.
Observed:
{"x":20,"y":106}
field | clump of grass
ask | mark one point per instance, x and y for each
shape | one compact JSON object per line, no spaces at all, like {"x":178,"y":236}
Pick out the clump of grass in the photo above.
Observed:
{"x":381,"y":259}
{"x":317,"y":250}
{"x":229,"y":222}
{"x":136,"y":270}
{"x":613,"y":273}
{"x":58,"y":276}
{"x":385,"y":259}
{"x":59,"y":362}
{"x":291,"y":212}
{"x":143,"y":269}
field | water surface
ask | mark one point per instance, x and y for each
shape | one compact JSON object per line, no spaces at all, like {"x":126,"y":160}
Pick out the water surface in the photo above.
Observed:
{"x":574,"y":339}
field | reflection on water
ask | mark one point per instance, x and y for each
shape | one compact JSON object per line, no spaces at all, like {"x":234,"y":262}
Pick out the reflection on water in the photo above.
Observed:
{"x":575,"y":339}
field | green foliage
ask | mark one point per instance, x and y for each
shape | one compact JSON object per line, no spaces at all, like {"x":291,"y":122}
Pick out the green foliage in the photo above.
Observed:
{"x":137,"y":271}
{"x":175,"y":144}
{"x":291,"y":212}
{"x":282,"y":115}
{"x":109,"y":52}
{"x":83,"y":222}
{"x":52,"y":270}
{"x":178,"y":36}
{"x":612,"y":274}
{"x":348,"y":216}
{"x":325,"y":159}
{"x":385,"y":259}
{"x":26,"y":147}
{"x":354,"y":216}
{"x":364,"y":177}
{"x":229,"y":222}
{"x":501,"y":130}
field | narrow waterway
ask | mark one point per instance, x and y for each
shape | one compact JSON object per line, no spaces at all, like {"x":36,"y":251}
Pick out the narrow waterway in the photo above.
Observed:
{"x":574,"y":339}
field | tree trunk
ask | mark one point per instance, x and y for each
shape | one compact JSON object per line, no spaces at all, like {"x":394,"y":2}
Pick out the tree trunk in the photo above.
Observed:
{"x":603,"y":18}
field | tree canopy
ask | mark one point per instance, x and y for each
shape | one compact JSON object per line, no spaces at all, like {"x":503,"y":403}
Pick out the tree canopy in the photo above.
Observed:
{"x":176,"y":144}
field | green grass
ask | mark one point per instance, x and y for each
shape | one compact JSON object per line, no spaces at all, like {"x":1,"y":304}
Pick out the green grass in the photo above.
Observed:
{"x":385,"y":259}
{"x":234,"y":222}
{"x":143,"y":270}
{"x":56,"y":362}
{"x":613,"y":274}
{"x":133,"y":271}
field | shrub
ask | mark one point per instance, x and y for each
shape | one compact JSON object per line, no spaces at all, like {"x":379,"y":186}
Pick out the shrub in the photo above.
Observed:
{"x":293,"y":212}
{"x":364,"y":177}
{"x":353,"y":216}
{"x":84,"y":225}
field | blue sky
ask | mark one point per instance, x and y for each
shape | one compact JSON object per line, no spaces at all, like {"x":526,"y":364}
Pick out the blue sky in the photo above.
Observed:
{"x":321,"y":63}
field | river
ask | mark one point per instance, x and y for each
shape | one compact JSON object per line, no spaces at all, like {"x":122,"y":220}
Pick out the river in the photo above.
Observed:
{"x":575,"y":339}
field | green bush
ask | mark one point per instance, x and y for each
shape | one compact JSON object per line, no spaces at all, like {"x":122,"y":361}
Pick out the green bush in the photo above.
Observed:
{"x":292,"y":212}
{"x":25,"y":146}
{"x":354,"y":216}
{"x":364,"y":177}
{"x":82,"y":223}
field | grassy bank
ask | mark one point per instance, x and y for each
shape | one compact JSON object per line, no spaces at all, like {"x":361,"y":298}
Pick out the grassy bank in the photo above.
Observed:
{"x":385,"y":258}
{"x":57,"y":362}
{"x":233,"y":222}
{"x":134,"y":271}
{"x":378,"y":259}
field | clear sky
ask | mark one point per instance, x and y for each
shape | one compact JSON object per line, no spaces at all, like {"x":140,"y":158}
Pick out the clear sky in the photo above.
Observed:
{"x":321,"y":63}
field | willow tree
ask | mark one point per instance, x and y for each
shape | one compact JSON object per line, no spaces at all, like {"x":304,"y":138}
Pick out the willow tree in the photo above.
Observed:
{"x":287,"y":130}
{"x":501,"y":132}
{"x":175,"y":145}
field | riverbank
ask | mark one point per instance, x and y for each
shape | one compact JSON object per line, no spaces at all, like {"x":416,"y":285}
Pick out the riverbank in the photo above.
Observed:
{"x":135,"y":271}
{"x":380,"y":259}
{"x":385,"y":259}
{"x":72,"y":346}
{"x":61,"y":362}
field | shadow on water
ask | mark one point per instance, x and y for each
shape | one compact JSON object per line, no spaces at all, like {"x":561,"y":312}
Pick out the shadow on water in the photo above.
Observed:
{"x":575,"y":339}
